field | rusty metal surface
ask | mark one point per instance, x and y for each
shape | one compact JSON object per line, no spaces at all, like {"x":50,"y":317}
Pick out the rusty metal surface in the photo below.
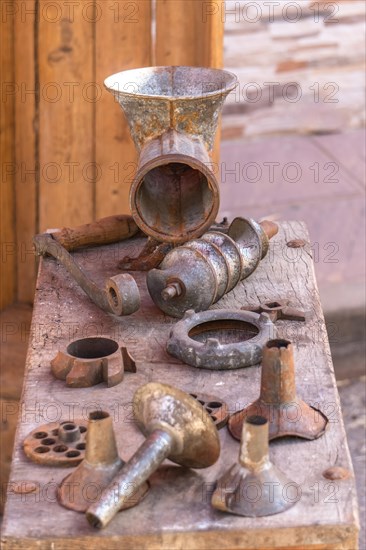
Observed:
{"x":83,"y":487}
{"x":297,"y":243}
{"x":198,"y":273}
{"x":154,"y":252}
{"x":195,"y":339}
{"x":173,"y":114}
{"x":121,"y":295}
{"x":215,"y":407}
{"x":57,"y":443}
{"x":150,"y":256}
{"x":176,"y":427}
{"x":254,"y":487}
{"x":174,"y":196}
{"x":337,"y":472}
{"x":89,"y":361}
{"x":288,"y":415}
{"x":278,"y":309}
{"x":149,"y":95}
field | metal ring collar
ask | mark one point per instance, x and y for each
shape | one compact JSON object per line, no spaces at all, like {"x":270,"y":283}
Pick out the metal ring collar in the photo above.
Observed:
{"x":211,"y":354}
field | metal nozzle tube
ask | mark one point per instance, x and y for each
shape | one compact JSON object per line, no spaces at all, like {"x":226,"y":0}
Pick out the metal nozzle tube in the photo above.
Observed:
{"x":287,"y":414}
{"x":144,"y":462}
{"x":100,"y":441}
{"x":233,"y":490}
{"x":254,"y":443}
{"x":278,"y":373}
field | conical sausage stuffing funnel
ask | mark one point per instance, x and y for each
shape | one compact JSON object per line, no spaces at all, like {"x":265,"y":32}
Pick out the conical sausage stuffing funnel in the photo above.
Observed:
{"x":173,"y":114}
{"x":86,"y":483}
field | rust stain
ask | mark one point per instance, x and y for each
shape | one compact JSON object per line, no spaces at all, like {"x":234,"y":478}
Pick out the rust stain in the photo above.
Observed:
{"x":336,"y":472}
{"x":297,"y":243}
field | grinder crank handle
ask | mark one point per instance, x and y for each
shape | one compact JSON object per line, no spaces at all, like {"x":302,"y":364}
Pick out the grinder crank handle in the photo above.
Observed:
{"x":121,"y":295}
{"x":104,"y":231}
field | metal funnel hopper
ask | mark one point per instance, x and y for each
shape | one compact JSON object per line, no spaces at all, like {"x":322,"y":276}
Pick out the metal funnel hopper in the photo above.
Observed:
{"x":287,"y":413}
{"x":255,"y":486}
{"x":173,"y":114}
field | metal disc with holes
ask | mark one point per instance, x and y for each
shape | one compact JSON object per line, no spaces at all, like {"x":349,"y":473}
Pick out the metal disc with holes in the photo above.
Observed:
{"x":57,"y":443}
{"x":215,"y":407}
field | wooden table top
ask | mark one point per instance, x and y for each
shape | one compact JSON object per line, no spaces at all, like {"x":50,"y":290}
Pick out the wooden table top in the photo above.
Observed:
{"x":176,"y":514}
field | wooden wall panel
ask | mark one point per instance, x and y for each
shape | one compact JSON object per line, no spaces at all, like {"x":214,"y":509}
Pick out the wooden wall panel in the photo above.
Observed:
{"x":66,"y":149}
{"x":191,"y":32}
{"x":210,"y":30}
{"x":66,"y":113}
{"x":8,"y":243}
{"x":26,"y":176}
{"x":123,"y":41}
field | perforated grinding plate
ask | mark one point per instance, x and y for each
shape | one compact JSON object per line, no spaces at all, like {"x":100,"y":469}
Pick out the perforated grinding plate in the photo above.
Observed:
{"x":45,"y":446}
{"x":215,"y":407}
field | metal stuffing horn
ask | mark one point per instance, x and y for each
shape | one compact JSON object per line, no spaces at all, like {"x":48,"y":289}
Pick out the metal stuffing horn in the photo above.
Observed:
{"x":173,"y":114}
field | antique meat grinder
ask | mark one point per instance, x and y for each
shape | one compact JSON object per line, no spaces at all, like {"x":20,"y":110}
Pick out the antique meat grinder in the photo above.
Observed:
{"x":173,"y":114}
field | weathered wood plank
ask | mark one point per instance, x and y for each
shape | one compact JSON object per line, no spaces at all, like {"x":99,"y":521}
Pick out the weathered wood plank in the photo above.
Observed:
{"x":14,"y":326}
{"x":66,"y":104}
{"x":8,"y":242}
{"x":122,"y":41}
{"x":189,"y":32}
{"x":177,"y":512}
{"x":26,"y":176}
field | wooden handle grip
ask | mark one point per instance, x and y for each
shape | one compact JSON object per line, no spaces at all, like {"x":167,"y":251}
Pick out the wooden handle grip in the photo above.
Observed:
{"x":270,"y":228}
{"x":104,"y":231}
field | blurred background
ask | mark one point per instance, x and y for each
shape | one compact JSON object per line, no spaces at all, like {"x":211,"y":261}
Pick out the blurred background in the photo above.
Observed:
{"x":292,"y":142}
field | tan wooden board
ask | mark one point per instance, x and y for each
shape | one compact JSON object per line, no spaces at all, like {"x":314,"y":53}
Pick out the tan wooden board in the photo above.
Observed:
{"x":14,"y":325}
{"x":7,"y":203}
{"x":122,"y":42}
{"x":26,"y":120}
{"x":66,"y":106}
{"x":177,"y":512}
